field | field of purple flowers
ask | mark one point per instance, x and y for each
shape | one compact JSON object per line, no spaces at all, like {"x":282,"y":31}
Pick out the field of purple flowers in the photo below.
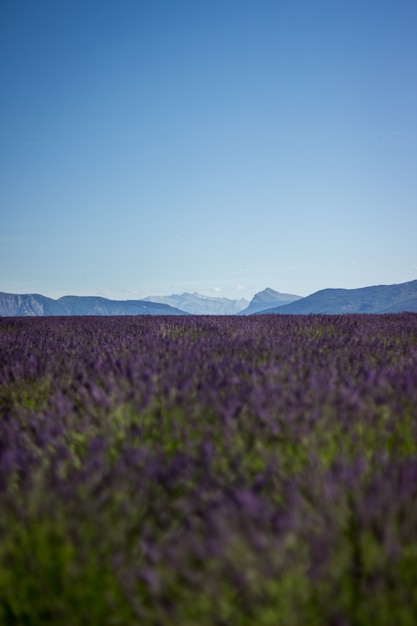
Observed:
{"x":208,"y":471}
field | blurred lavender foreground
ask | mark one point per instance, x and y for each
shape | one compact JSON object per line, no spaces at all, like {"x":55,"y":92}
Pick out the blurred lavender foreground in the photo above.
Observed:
{"x":203,"y":471}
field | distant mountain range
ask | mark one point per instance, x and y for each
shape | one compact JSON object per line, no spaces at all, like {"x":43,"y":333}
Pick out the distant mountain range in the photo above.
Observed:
{"x":267,"y":299}
{"x":376,"y":299}
{"x":201,"y":305}
{"x":12,"y":305}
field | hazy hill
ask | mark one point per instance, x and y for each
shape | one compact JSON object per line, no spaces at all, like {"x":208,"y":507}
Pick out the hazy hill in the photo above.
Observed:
{"x":267,"y":299}
{"x":376,"y":299}
{"x":201,"y":305}
{"x":13,"y":305}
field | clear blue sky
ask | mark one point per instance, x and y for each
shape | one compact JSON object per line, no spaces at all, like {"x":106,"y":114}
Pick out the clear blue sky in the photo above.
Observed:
{"x":217,"y":146}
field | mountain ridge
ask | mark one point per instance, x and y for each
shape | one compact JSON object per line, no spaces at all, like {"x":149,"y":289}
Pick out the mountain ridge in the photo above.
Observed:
{"x":399,"y":297}
{"x":266,"y":299}
{"x":23,"y":305}
{"x":396,"y":298}
{"x":197,"y":304}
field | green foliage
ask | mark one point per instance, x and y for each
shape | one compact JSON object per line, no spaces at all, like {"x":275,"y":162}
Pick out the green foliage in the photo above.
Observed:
{"x":32,"y":395}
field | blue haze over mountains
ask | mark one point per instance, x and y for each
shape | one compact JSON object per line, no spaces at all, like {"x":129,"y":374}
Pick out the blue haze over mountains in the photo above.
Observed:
{"x":374,"y":299}
{"x":203,"y":305}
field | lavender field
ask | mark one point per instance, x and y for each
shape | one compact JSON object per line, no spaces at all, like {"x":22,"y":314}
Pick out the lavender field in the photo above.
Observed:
{"x":208,"y":471}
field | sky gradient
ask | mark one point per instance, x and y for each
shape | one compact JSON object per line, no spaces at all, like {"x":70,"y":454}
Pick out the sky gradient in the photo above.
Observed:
{"x":151,"y":147}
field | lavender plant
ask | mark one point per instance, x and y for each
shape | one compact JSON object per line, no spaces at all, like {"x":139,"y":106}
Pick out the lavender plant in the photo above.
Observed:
{"x":208,"y":470}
